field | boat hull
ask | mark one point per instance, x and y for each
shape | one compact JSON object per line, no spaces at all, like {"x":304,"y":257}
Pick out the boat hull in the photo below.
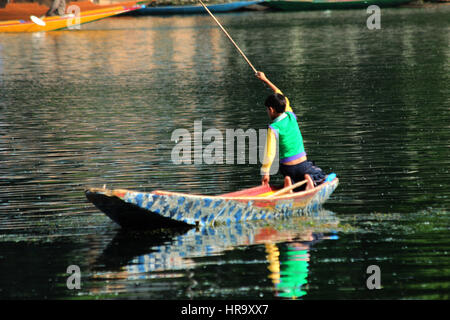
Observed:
{"x":194,"y":9}
{"x":330,"y":5}
{"x":133,"y":209}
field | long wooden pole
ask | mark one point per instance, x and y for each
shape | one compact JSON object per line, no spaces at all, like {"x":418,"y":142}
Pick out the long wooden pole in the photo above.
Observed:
{"x":229,"y":37}
{"x":285,"y":190}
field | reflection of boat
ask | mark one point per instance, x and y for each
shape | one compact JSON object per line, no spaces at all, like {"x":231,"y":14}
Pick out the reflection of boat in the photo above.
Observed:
{"x":156,"y":209}
{"x":194,"y":9}
{"x":299,"y":5}
{"x":84,"y":12}
{"x":142,"y":256}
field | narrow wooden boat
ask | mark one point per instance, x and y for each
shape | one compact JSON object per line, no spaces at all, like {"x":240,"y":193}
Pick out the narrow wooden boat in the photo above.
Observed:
{"x":134,"y":209}
{"x":88,"y":13}
{"x":304,"y":5}
{"x":194,"y":9}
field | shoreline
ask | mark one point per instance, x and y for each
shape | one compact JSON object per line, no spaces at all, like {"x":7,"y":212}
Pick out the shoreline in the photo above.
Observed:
{"x":17,"y":9}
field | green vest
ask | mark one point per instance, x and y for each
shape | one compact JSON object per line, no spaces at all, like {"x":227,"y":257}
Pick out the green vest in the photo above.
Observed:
{"x":290,"y":140}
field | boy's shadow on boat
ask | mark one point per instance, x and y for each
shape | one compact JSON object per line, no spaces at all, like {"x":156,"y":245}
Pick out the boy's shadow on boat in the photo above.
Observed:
{"x":166,"y":249}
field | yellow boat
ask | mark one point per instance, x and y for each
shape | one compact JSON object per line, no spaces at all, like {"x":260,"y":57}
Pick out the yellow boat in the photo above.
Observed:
{"x":85,"y":14}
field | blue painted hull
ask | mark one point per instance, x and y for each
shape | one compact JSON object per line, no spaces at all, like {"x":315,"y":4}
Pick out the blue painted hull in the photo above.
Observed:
{"x":157,"y":209}
{"x":197,"y":9}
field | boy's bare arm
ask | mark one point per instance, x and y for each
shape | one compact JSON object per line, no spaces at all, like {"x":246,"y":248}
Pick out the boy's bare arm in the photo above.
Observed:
{"x":261,"y":76}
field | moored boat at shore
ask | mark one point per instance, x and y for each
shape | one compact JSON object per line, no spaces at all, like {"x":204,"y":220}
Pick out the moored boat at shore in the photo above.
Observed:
{"x":20,"y":16}
{"x":305,"y":5}
{"x":193,"y":9}
{"x":156,"y":209}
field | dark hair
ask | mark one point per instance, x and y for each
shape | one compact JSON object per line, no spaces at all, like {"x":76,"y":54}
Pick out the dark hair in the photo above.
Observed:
{"x":276,"y":101}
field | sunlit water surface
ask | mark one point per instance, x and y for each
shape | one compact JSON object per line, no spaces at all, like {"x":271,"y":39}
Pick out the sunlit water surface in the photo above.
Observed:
{"x":98,"y":106}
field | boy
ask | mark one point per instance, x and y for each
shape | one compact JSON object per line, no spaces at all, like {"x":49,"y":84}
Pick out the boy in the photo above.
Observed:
{"x":294,"y":165}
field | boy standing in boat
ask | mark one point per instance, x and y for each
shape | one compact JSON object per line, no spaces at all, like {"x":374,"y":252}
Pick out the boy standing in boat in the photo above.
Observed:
{"x":284,"y":128}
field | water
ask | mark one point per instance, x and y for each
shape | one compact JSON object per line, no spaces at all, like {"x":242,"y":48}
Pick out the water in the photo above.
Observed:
{"x":98,"y":106}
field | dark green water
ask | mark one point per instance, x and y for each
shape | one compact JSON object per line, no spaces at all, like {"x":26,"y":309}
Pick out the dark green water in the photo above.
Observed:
{"x":98,"y":106}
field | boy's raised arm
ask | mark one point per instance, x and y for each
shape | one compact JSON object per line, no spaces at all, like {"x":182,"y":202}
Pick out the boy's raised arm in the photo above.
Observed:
{"x":261,"y":76}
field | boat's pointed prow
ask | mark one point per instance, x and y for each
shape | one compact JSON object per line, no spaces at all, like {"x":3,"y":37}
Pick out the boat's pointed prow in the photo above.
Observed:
{"x":330,"y":177}
{"x":126,"y":214}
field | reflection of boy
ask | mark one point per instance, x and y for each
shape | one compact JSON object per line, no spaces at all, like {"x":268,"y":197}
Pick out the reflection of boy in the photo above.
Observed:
{"x":288,"y":265}
{"x":294,"y":269}
{"x":57,"y":8}
{"x":285,"y":129}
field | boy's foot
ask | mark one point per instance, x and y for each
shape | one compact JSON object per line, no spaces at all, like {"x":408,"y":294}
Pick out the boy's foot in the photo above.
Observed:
{"x":287,"y":182}
{"x":309,"y":182}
